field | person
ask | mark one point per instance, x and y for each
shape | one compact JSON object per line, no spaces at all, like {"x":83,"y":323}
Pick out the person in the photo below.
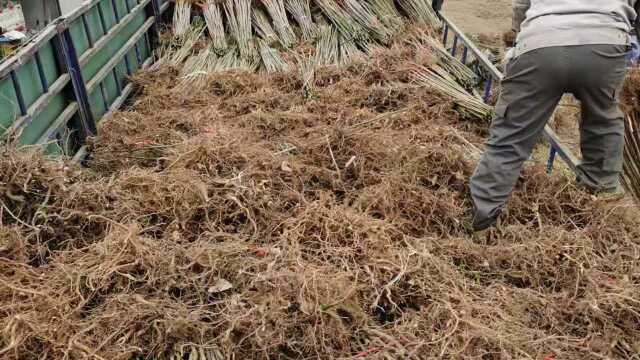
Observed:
{"x":562,"y":46}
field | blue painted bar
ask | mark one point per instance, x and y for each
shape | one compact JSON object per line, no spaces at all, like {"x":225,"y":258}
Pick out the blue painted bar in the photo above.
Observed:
{"x":487,"y":89}
{"x":454,"y":50}
{"x":19,"y":95}
{"x":118,"y":85}
{"x":103,"y":24}
{"x":115,"y":10}
{"x":147,"y":41}
{"x":465,"y":54}
{"x":127,"y":64}
{"x":138,"y":56}
{"x":104,"y":97}
{"x":64,"y":42}
{"x":445,"y":37}
{"x":41,"y":74}
{"x":552,"y":158}
{"x":155,"y":9}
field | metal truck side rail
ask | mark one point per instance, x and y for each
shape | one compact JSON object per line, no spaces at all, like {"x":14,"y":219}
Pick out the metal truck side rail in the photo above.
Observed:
{"x":494,"y":75}
{"x":57,"y":88}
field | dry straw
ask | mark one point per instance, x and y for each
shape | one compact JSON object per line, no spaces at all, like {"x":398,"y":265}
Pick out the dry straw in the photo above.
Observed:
{"x":631,"y":105}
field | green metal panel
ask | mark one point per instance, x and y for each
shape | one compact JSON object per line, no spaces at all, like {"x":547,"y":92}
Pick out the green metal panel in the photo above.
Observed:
{"x":98,"y":33}
{"x":97,"y":104}
{"x":49,"y":63}
{"x":43,"y":120}
{"x":8,"y":103}
{"x":79,"y":36}
{"x":109,"y":14}
{"x":111,"y":90}
{"x":105,"y":54}
{"x":29,"y":82}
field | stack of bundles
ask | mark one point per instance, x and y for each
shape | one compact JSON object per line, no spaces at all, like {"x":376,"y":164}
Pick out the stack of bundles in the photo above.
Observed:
{"x":246,"y":27}
{"x":253,"y":36}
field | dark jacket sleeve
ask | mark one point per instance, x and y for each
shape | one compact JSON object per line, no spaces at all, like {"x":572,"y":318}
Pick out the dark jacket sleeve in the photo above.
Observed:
{"x":637,"y":22}
{"x":437,"y":4}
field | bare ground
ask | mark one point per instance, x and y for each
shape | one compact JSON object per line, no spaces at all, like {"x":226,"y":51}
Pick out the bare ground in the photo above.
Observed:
{"x":480,"y":16}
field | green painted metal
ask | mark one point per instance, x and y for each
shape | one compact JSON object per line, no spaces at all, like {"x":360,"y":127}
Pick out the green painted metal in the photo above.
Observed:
{"x":106,"y":35}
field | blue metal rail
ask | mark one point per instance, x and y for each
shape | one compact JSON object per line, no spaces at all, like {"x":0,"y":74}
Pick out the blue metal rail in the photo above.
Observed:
{"x":491,"y":76}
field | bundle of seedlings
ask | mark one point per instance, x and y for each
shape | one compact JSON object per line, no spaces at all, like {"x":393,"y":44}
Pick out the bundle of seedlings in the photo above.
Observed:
{"x":436,"y":77}
{"x":307,"y":68}
{"x":327,"y":46}
{"x":272,"y":61}
{"x":349,"y":52}
{"x":301,"y":12}
{"x":176,"y":50}
{"x":212,"y":12}
{"x":195,"y":70}
{"x":238,"y":14}
{"x":344,"y":22}
{"x":364,"y":15}
{"x":233,"y":60}
{"x":388,"y":14}
{"x":263,"y":27}
{"x":278,"y":14}
{"x":420,"y":11}
{"x":462,"y":73}
{"x":181,"y":17}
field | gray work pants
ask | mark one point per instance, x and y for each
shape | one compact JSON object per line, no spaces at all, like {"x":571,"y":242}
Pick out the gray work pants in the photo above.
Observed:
{"x":534,"y":84}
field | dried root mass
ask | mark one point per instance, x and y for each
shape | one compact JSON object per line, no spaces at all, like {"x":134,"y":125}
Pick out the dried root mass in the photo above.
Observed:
{"x":318,"y":216}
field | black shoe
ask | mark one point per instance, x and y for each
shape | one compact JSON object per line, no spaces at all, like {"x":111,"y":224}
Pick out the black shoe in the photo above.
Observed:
{"x":481,"y":224}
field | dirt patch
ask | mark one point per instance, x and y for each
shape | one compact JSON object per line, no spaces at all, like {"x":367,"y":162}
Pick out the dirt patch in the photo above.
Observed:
{"x":480,"y":16}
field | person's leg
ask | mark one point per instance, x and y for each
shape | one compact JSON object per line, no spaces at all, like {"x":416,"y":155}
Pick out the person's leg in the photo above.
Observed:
{"x":600,"y":72}
{"x":533,"y":86}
